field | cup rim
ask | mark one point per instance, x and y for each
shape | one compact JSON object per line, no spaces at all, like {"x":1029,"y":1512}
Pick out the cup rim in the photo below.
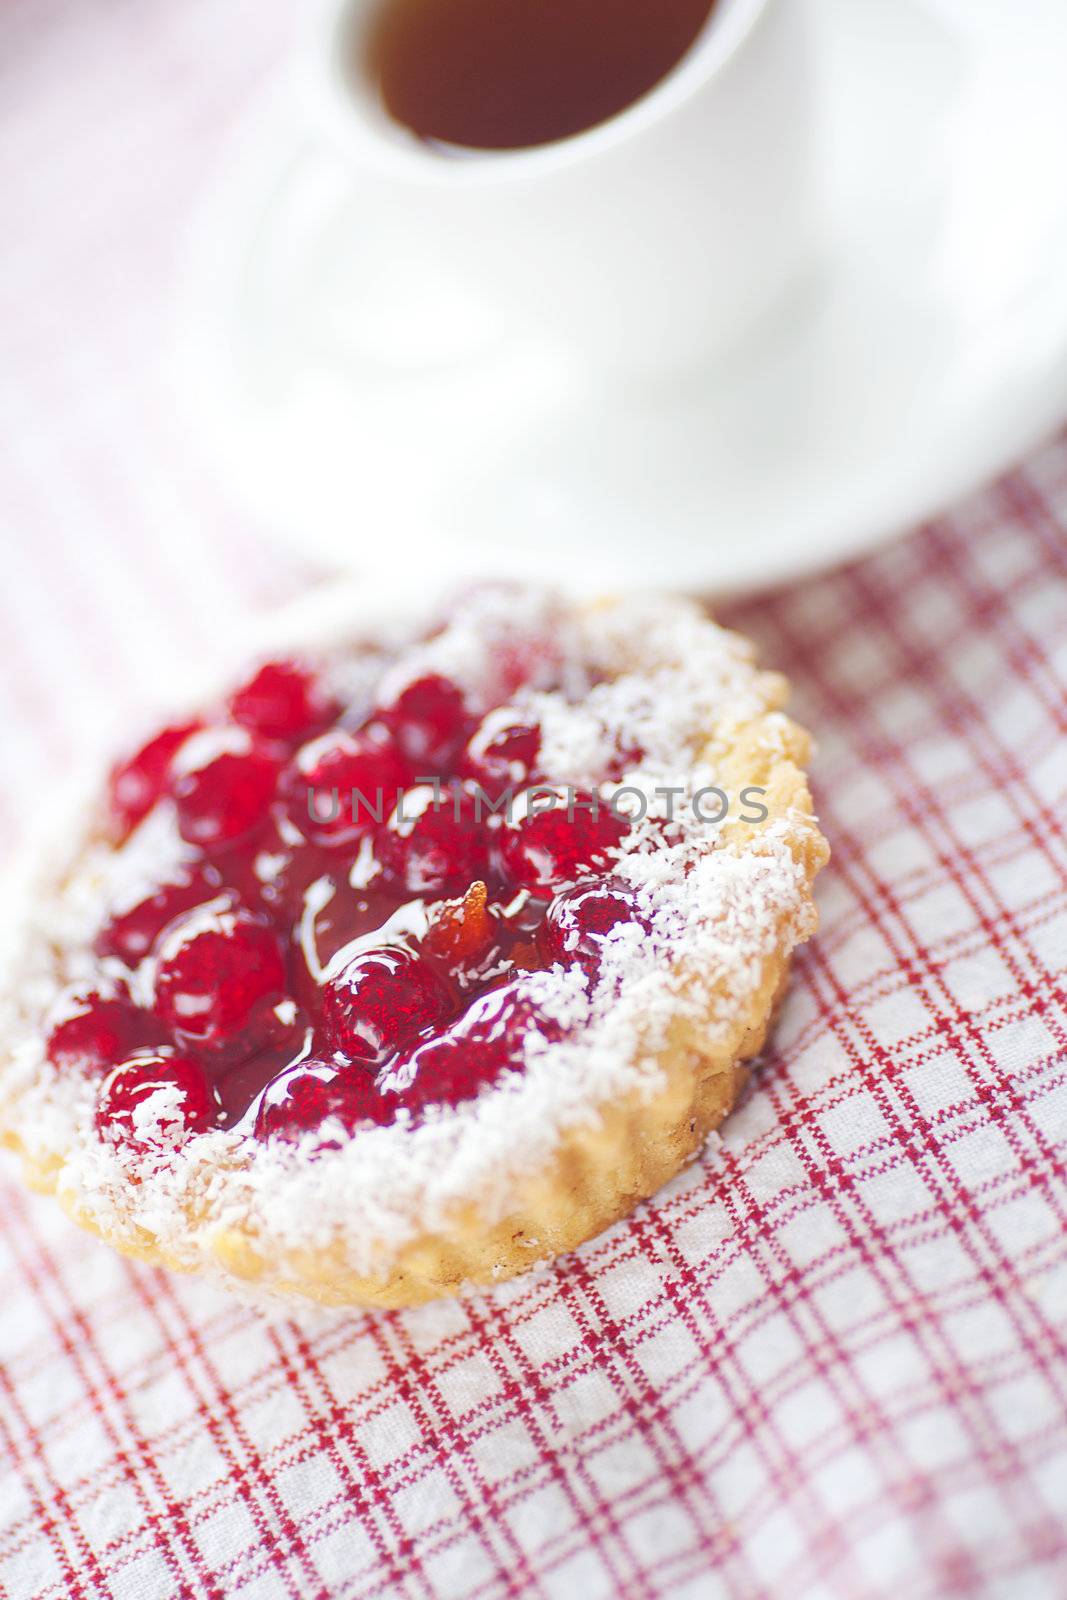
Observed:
{"x":360,"y":122}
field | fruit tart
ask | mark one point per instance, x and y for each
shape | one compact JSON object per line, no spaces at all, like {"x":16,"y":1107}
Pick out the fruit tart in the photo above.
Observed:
{"x":421,"y":953}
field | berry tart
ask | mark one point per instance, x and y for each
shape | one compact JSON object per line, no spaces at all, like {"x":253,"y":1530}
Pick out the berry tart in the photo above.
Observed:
{"x":421,"y":954}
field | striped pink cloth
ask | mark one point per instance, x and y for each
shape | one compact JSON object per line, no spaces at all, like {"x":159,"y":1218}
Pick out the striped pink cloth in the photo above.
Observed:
{"x":830,"y":1360}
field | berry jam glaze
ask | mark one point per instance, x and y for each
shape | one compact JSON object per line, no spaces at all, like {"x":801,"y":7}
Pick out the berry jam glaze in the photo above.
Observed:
{"x":341,"y":937}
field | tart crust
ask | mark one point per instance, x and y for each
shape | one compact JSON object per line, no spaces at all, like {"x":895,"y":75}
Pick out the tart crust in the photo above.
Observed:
{"x":598,"y":1167}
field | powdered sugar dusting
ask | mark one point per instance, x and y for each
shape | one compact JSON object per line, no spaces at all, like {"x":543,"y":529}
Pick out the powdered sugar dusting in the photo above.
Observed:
{"x":650,"y":691}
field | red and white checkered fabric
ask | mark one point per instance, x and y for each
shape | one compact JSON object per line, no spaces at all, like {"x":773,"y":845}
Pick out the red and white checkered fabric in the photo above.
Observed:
{"x":830,"y":1361}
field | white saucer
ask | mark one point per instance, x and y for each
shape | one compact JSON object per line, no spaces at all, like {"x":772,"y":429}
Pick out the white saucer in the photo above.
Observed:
{"x":927,"y":348}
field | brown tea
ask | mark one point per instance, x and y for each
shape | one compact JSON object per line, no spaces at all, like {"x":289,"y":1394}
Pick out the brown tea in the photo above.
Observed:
{"x":504,"y":74}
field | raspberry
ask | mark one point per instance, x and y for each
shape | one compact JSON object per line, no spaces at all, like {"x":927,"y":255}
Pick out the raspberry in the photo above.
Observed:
{"x":433,"y":846}
{"x":379,"y":1000}
{"x":294,"y":953}
{"x":138,"y":782}
{"x":578,"y":922}
{"x":308,"y":1093}
{"x":219,"y":971}
{"x":284,"y":701}
{"x":431,"y":722}
{"x":94,"y":1027}
{"x":226,"y":788}
{"x":502,"y":753}
{"x":549,"y":850}
{"x":486,"y":1041}
{"x":334,"y":922}
{"x":358,"y":776}
{"x":130,"y":935}
{"x":129,"y":1112}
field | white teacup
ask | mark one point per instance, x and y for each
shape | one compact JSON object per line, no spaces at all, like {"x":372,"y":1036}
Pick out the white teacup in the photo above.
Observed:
{"x":642,"y":244}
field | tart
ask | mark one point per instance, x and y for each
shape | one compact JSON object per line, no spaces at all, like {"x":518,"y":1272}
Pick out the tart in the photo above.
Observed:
{"x":418,"y":956}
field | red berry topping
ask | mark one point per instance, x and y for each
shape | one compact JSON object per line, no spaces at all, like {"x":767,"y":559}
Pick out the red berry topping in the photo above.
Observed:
{"x":281,"y":874}
{"x":330,"y":920}
{"x":283,"y":700}
{"x":138,"y":782}
{"x":433,"y":845}
{"x":379,"y":1001}
{"x":224,"y":787}
{"x":311,"y":1091}
{"x":502,"y":753}
{"x":280,"y":1036}
{"x":334,"y":915}
{"x":219,"y":971}
{"x":431,"y":723}
{"x":482,"y":1044}
{"x":624,"y":760}
{"x":529,"y":658}
{"x":156,"y":1098}
{"x":130,"y":935}
{"x":548,"y":850}
{"x":578,"y":922}
{"x":94,"y":1027}
{"x":344,"y":784}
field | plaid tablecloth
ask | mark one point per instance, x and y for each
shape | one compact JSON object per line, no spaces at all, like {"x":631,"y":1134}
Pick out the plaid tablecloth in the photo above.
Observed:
{"x":830,"y":1360}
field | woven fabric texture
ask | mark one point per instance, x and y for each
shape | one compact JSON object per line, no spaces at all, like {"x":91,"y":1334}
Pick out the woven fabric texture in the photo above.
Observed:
{"x":827,"y":1362}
